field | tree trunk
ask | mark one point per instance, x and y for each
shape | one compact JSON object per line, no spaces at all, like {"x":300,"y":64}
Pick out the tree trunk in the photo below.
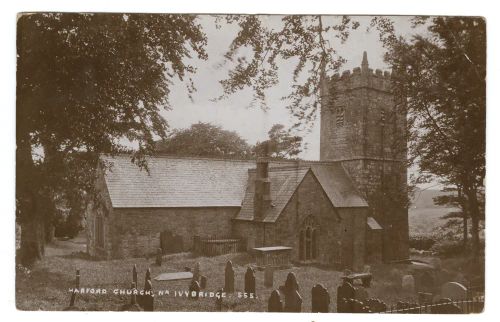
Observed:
{"x":465,"y":211}
{"x":473,"y":207}
{"x":28,"y":212}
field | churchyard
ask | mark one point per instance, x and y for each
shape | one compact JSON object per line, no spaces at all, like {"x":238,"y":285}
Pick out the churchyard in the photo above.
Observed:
{"x":47,"y":285}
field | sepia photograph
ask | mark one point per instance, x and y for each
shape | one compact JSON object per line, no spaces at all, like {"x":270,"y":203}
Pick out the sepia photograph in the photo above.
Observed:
{"x":250,"y":163}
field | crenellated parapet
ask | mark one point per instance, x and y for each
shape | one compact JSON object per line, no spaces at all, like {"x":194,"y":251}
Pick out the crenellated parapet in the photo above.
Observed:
{"x":362,"y":77}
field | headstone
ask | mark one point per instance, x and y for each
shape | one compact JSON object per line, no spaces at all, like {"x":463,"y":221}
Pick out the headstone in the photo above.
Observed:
{"x":293,"y":302}
{"x":133,"y":296}
{"x":77,"y":286}
{"x":274,"y":303}
{"x":196,"y":271}
{"x":360,"y":293}
{"x":203,"y":282}
{"x":291,"y":283}
{"x":408,"y":283}
{"x":194,"y":289}
{"x":426,"y":282}
{"x":250,"y":281}
{"x":344,"y":291}
{"x":148,"y":298}
{"x":425,"y":298}
{"x":218,"y":300}
{"x":148,"y":277}
{"x":132,"y":305}
{"x":134,"y":274}
{"x":320,"y":299}
{"x":269,"y":276}
{"x":454,"y":291}
{"x":436,"y":263}
{"x":229,"y":278}
{"x":159,"y":256}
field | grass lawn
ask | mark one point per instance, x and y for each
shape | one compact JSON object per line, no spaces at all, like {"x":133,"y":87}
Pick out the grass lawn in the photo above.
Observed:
{"x":46,"y":286}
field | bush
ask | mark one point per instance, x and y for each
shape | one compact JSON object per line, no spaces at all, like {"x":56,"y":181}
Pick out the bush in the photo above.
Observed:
{"x":448,"y":247}
{"x":422,"y":242}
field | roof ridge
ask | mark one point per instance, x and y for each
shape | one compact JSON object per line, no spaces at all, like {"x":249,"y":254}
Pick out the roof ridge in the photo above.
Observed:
{"x":173,"y":156}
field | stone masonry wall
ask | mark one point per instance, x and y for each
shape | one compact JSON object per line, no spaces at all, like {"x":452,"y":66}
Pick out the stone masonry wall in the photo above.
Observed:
{"x":136,"y":232}
{"x":371,"y":145}
{"x":341,"y":231}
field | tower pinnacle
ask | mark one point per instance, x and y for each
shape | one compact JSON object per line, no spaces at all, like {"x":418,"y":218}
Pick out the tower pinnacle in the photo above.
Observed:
{"x":364,"y":63}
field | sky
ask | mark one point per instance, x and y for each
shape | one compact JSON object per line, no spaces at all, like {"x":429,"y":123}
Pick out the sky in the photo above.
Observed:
{"x":235,"y":113}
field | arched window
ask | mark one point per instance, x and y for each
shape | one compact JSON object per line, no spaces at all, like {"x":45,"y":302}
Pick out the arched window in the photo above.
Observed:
{"x":308,"y":240}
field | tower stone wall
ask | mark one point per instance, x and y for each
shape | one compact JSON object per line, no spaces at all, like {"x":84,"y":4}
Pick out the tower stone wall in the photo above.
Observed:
{"x":363,"y":128}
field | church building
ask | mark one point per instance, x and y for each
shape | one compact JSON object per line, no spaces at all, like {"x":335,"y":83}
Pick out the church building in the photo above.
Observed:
{"x":345,"y":210}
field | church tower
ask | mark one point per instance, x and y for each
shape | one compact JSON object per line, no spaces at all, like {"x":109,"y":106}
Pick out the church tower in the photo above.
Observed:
{"x":363,"y":128}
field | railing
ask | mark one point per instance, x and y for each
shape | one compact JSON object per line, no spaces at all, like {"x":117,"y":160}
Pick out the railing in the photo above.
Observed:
{"x":216,"y":245}
{"x":474,"y":305}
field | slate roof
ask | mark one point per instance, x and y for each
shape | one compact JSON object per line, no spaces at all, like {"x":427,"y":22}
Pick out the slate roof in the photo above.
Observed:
{"x":202,"y":182}
{"x":176,"y":182}
{"x":285,"y":180}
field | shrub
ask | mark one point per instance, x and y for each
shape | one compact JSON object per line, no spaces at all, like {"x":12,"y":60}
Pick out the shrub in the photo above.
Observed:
{"x":448,"y":247}
{"x":422,"y":242}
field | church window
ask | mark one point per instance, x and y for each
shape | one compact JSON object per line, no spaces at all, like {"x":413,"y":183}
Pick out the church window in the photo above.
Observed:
{"x":308,"y":240}
{"x":340,"y":116}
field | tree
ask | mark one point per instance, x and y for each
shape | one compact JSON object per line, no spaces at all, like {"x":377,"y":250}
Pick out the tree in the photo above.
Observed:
{"x":306,"y":41}
{"x":205,"y":140}
{"x":280,"y":145}
{"x":87,"y":83}
{"x":441,"y":83}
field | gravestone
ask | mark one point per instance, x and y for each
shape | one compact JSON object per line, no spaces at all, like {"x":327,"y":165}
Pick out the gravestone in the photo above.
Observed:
{"x":426,"y":282}
{"x":408,"y":283}
{"x":274,"y":303}
{"x":148,"y":297}
{"x":218,"y":300}
{"x":454,"y":291}
{"x":148,"y":277}
{"x":203,"y":282}
{"x":134,"y":274}
{"x":436,"y":263}
{"x":196,"y":271}
{"x":376,"y":305}
{"x":320,"y":299}
{"x":159,"y":256}
{"x":291,"y":283}
{"x":344,"y":291}
{"x":425,"y":298}
{"x":250,"y":281}
{"x":269,"y":276}
{"x":229,"y":277}
{"x":132,"y":305}
{"x":293,"y":302}
{"x":360,"y":293}
{"x":194,"y":289}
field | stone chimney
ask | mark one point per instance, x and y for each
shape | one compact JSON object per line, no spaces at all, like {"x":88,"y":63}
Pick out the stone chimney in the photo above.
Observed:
{"x":262,"y":196}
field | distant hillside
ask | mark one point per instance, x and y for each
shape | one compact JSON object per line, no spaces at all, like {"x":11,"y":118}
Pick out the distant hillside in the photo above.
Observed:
{"x":424,"y":198}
